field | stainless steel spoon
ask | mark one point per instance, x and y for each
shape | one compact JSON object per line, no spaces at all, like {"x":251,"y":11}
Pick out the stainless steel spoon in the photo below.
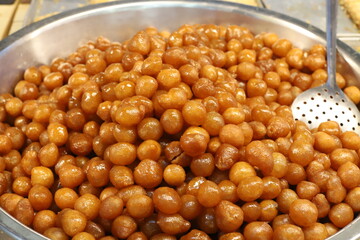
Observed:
{"x":328,"y":102}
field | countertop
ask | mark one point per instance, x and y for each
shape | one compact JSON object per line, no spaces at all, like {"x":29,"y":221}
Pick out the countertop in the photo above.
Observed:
{"x":12,"y":17}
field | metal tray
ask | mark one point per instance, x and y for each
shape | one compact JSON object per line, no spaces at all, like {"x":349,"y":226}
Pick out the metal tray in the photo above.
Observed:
{"x":59,"y":35}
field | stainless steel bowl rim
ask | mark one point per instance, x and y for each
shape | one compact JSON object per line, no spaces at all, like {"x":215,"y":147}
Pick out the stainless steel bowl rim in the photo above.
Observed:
{"x":19,"y":231}
{"x":237,"y":7}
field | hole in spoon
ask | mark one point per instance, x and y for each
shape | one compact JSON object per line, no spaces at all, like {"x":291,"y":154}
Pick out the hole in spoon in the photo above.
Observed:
{"x":309,"y":122}
{"x":331,"y":97}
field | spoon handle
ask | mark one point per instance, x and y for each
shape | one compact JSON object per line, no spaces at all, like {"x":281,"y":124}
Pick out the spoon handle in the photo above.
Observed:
{"x":331,"y":24}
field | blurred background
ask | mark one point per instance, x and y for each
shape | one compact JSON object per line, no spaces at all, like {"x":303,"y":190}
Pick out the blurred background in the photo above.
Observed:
{"x":15,"y":14}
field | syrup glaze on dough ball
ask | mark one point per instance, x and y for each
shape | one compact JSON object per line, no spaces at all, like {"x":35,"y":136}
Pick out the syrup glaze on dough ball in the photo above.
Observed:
{"x":184,"y":135}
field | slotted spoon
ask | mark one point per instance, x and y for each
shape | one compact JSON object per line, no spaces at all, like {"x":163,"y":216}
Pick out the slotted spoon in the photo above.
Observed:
{"x":328,"y":102}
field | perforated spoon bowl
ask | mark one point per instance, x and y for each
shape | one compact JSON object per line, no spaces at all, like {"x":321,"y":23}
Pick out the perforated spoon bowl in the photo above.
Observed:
{"x":327,"y":102}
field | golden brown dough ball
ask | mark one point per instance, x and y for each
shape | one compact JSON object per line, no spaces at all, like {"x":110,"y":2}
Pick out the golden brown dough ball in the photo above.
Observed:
{"x":229,"y":217}
{"x":341,"y":214}
{"x":73,"y":222}
{"x":167,"y":200}
{"x":303,"y":212}
{"x":258,"y":230}
{"x":209,"y":194}
{"x":353,"y":93}
{"x":123,"y":226}
{"x":288,"y":231}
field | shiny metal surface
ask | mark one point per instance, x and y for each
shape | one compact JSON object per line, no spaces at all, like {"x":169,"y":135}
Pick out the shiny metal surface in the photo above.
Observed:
{"x":39,"y":9}
{"x":348,"y":32}
{"x":314,"y":14}
{"x":59,"y":35}
{"x":328,"y":102}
